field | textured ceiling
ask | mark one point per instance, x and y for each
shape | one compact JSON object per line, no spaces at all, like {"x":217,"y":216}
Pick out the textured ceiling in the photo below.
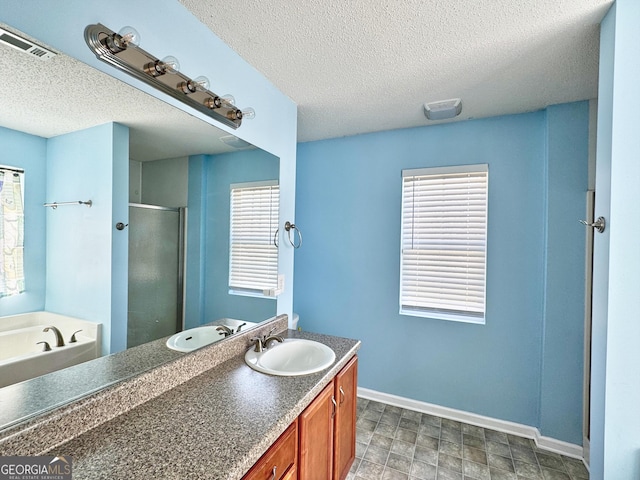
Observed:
{"x":62,"y":95}
{"x":368,"y":65}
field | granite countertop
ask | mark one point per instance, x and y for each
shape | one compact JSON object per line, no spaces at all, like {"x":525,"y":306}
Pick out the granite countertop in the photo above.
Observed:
{"x":215,"y":425}
{"x":24,"y":400}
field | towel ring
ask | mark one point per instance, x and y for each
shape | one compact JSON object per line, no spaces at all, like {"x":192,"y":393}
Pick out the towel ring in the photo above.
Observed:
{"x":275,"y":238}
{"x":288,"y":226}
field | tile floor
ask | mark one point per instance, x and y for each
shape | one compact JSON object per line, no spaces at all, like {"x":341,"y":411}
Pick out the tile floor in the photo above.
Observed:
{"x":397,"y":444}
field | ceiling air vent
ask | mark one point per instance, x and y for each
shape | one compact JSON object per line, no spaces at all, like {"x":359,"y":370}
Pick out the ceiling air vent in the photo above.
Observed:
{"x":25,"y":45}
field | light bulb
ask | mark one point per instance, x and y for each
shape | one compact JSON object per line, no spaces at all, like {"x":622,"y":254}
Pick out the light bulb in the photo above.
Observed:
{"x":118,"y":42}
{"x":130,"y":36}
{"x":229,"y":98}
{"x":202,"y":83}
{"x":248,"y":113}
{"x":170,"y":64}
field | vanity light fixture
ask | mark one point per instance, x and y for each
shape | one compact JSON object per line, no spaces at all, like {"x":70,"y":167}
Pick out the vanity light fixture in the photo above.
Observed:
{"x":121,"y":50}
{"x":443,"y":109}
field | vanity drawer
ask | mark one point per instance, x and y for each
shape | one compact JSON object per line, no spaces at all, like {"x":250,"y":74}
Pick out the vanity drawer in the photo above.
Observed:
{"x":282,"y":456}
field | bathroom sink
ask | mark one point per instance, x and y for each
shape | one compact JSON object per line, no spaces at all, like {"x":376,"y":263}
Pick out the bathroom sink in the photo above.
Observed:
{"x":295,"y":356}
{"x":194,"y":338}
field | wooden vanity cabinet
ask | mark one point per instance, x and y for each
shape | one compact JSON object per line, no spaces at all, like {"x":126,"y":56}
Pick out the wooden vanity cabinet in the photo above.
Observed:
{"x":328,"y":429}
{"x":280,"y":461}
{"x":321,"y":443}
{"x":316,"y":437}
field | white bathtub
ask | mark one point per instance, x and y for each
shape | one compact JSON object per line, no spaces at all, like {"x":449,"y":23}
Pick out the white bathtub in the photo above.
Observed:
{"x":22,"y":358}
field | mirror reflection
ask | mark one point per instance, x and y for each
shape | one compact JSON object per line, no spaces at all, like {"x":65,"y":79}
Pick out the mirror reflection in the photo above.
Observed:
{"x":152,"y":253}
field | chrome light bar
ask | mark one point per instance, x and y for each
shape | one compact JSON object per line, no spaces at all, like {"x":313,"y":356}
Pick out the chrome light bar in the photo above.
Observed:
{"x":121,"y":51}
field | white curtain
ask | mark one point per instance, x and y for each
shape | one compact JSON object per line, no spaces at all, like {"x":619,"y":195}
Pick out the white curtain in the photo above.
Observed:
{"x":11,"y":234}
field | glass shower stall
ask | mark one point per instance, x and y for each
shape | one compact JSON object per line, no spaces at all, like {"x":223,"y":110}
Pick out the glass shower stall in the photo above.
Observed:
{"x":156,"y":272}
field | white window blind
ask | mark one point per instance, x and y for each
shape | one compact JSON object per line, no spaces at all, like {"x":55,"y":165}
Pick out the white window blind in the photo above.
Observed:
{"x":253,"y":256}
{"x":444,"y":237}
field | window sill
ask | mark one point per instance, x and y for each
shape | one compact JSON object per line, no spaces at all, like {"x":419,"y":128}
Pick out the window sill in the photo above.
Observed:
{"x":251,"y":293}
{"x":443,"y":316}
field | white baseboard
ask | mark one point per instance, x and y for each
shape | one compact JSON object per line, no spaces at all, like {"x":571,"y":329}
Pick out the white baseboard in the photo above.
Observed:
{"x":547,"y":443}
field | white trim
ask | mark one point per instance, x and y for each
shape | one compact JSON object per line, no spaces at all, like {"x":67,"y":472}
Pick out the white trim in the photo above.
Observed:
{"x":415,"y":312}
{"x":547,"y":443}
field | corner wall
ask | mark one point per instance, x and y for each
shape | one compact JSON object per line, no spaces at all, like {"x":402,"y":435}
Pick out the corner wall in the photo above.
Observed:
{"x":347,"y":273}
{"x":562,"y":353}
{"x":86,"y":258}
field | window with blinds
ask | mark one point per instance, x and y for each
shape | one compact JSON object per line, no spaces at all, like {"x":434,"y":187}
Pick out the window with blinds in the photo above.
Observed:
{"x":444,"y":243}
{"x":253,"y":255}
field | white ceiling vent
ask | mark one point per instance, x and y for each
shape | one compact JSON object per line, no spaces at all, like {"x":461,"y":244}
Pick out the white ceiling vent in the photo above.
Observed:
{"x":443,"y":110}
{"x":25,"y":45}
{"x":235,"y":142}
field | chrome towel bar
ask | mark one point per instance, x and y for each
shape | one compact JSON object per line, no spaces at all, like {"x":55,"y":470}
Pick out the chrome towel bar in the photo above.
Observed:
{"x":55,"y":205}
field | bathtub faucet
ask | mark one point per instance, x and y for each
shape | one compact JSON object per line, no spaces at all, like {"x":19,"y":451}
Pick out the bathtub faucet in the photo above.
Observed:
{"x":59,"y":339}
{"x":224,"y":330}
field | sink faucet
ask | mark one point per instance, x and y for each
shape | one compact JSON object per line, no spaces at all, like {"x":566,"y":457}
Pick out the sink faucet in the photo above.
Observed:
{"x":263,"y":342}
{"x":257,"y":341}
{"x":271,"y":337}
{"x":59,"y":339}
{"x":224,"y":330}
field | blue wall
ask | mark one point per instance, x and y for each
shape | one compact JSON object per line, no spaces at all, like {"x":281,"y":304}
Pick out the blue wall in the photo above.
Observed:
{"x":28,"y":152}
{"x":347,"y":273}
{"x":84,"y":277}
{"x":210,"y":178}
{"x":196,"y":242}
{"x":615,"y":432}
{"x":561,"y":388}
{"x":601,"y":244}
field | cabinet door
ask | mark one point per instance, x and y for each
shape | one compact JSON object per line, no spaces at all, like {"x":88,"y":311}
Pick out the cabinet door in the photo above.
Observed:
{"x":279,"y":462}
{"x":346,"y":385}
{"x":316,"y":437}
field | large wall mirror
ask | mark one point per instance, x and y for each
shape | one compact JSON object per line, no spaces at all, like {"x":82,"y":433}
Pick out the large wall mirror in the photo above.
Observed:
{"x":77,"y":134}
